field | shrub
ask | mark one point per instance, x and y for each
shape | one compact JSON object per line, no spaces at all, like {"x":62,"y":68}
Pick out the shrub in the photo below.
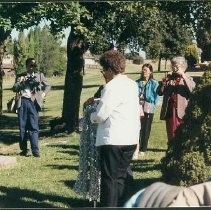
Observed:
{"x":192,"y":50}
{"x":188,"y":170}
{"x":137,"y":60}
{"x":192,"y":56}
{"x":129,"y":56}
{"x":189,"y":153}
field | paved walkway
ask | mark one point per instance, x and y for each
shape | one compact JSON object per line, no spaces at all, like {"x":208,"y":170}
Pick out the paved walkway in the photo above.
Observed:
{"x":7,"y":161}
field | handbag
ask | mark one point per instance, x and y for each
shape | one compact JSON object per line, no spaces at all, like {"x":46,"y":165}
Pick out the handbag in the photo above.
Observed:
{"x":12,"y":104}
{"x":148,"y":108}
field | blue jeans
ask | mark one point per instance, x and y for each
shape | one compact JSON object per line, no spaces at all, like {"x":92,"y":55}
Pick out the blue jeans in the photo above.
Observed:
{"x":28,"y":125}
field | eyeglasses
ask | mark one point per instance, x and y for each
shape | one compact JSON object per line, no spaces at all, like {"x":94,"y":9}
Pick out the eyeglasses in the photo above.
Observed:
{"x":32,"y":65}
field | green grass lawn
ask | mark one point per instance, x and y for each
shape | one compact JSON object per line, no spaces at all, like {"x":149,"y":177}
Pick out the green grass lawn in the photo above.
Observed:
{"x":47,"y":182}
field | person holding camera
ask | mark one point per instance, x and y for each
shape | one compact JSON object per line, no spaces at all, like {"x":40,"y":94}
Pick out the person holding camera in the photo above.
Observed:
{"x":176,"y":88}
{"x":32,"y":87}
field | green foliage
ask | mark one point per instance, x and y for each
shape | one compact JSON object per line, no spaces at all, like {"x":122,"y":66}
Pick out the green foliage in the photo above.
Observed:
{"x":159,"y":27}
{"x":192,"y":169}
{"x":63,"y":15}
{"x":189,"y":169}
{"x":169,"y":36}
{"x":192,"y":51}
{"x":52,"y":57}
{"x":153,"y":26}
{"x":190,"y":149}
{"x":9,"y":46}
{"x":20,"y":52}
{"x":202,"y":27}
{"x":44,"y":47}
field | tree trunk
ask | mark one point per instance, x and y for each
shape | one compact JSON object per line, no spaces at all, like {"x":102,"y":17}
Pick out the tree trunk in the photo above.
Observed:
{"x":159,"y":63}
{"x":76,"y":47}
{"x":1,"y":77}
{"x":165,"y":63}
{"x":205,"y":42}
{"x":3,"y":40}
{"x":2,"y":49}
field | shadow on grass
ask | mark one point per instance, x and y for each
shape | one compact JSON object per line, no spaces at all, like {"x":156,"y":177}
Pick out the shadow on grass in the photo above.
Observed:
{"x":90,"y":86}
{"x":9,"y":133}
{"x":8,"y":122}
{"x":145,"y":165}
{"x":64,"y":146}
{"x":156,"y":150}
{"x":13,"y":197}
{"x":61,"y":87}
{"x":70,"y":184}
{"x":70,"y":152}
{"x":62,"y":167}
{"x":44,"y":125}
{"x":57,"y":87}
{"x":8,"y":137}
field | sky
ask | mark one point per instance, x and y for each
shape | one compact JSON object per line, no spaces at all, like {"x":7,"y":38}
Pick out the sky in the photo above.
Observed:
{"x":14,"y":33}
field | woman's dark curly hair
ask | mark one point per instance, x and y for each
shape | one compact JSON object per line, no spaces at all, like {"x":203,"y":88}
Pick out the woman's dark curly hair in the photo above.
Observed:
{"x":149,"y":66}
{"x":114,"y":60}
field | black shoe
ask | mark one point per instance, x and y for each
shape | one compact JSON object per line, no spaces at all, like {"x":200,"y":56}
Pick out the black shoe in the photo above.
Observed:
{"x":70,"y":130}
{"x":25,"y":153}
{"x":36,"y":155}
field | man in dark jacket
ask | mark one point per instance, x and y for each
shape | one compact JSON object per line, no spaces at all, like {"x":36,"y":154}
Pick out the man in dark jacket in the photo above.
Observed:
{"x":32,"y":87}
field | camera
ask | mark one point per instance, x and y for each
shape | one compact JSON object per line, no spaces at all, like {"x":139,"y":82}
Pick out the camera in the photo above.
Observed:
{"x":30,"y":83}
{"x":173,"y":76}
{"x":141,"y":99}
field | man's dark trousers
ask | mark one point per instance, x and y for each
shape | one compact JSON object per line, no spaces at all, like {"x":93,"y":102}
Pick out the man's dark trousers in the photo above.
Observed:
{"x":114,"y":160}
{"x":28,"y":125}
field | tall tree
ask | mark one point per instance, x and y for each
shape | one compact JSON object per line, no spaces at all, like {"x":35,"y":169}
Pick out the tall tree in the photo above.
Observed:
{"x":44,"y":47}
{"x":37,"y":40}
{"x":52,"y":58}
{"x":202,"y":13}
{"x":10,"y":46}
{"x":135,"y":24}
{"x":11,"y":16}
{"x":73,"y":81}
{"x":21,"y":50}
{"x":31,"y":43}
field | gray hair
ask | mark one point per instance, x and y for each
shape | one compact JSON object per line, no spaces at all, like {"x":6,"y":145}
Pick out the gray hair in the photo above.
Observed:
{"x":181,"y":61}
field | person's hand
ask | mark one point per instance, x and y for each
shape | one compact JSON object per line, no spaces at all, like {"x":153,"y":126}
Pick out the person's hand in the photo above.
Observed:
{"x":181,"y":72}
{"x":166,"y":78}
{"x":43,"y":95}
{"x":22,"y":78}
{"x":89,"y":101}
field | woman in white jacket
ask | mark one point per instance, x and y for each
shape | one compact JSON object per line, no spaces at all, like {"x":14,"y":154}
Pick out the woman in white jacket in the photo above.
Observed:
{"x":118,"y":121}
